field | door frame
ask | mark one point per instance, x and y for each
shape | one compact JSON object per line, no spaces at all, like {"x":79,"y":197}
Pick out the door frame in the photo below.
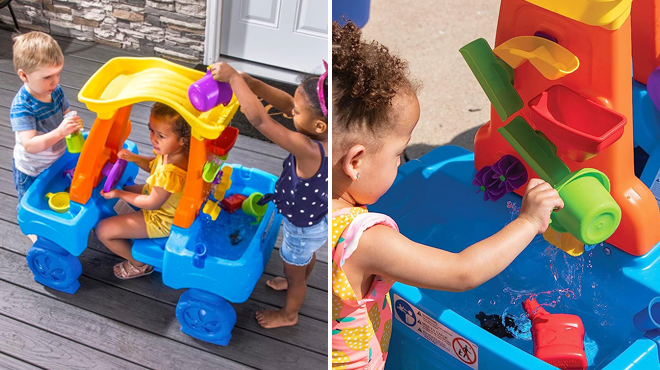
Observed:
{"x":213,"y":38}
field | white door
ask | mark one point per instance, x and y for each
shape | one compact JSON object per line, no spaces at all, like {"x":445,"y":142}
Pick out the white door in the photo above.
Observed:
{"x":291,"y":34}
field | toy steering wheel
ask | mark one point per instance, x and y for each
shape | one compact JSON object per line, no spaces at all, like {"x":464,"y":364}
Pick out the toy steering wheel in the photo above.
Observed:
{"x":113,"y":173}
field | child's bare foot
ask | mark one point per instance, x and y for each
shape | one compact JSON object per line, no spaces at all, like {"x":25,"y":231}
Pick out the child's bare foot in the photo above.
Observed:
{"x":278,"y":283}
{"x":270,"y":319}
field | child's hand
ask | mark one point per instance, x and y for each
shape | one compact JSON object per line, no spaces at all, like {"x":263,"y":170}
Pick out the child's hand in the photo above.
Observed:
{"x":70,"y":125}
{"x":539,"y":201}
{"x":222,"y":72}
{"x":126,"y":155}
{"x":114,"y":193}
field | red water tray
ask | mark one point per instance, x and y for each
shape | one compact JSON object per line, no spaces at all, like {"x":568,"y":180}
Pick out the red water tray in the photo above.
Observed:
{"x":578,"y":127}
{"x":223,"y":144}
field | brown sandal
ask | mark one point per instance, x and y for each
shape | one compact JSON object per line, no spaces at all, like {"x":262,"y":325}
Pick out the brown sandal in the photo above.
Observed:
{"x":126,"y":270}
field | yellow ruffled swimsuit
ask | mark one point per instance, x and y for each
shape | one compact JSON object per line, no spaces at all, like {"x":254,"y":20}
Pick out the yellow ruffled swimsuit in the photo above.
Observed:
{"x":172,"y":179}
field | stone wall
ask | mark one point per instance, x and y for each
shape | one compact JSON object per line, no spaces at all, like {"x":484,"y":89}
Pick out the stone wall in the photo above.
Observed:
{"x":173,"y":29}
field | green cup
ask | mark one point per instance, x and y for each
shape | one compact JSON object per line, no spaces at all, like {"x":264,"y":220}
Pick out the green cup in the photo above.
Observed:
{"x":251,"y":207}
{"x":75,"y":142}
{"x":590,"y":213}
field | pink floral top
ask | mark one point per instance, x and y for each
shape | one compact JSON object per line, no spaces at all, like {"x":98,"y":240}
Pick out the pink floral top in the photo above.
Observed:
{"x":361,"y":329}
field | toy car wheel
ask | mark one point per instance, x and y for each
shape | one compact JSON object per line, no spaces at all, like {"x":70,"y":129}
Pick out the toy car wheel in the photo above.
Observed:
{"x":206,"y":316}
{"x":57,"y":269}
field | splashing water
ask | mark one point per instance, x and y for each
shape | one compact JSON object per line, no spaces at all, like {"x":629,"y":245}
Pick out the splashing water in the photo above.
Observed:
{"x":561,"y":283}
{"x":514,"y":210}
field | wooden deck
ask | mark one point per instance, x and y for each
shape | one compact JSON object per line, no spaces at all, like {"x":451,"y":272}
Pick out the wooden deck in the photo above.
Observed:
{"x":114,"y":324}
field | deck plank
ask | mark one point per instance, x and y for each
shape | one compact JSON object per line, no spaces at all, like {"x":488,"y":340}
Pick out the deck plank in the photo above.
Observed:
{"x":10,"y":363}
{"x":79,"y":325}
{"x":53,"y":352}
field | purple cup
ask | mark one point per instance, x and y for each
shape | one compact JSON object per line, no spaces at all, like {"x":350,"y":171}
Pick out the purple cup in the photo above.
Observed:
{"x":207,"y":93}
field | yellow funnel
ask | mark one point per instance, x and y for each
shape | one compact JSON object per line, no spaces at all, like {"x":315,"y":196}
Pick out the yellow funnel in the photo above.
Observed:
{"x":551,"y":59}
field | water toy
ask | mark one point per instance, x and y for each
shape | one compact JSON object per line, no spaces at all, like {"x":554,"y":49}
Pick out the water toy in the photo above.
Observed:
{"x":578,"y":126}
{"x":233,"y":202}
{"x":74,"y":141}
{"x":564,"y":241}
{"x":487,"y":181}
{"x":511,"y":173}
{"x":648,"y":318}
{"x":558,"y":338}
{"x":212,"y":209}
{"x":220,"y":148}
{"x":506,"y":175}
{"x":69,"y":173}
{"x":494,"y":76}
{"x":495,"y":325}
{"x":251,"y":206}
{"x":196,"y":255}
{"x":58,"y":202}
{"x":222,"y":185}
{"x":207,"y":93}
{"x":211,"y":168}
{"x":552,"y":60}
{"x":590,"y":214}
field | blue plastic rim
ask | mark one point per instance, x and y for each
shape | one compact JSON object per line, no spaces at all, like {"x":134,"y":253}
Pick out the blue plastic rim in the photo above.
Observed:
{"x":648,"y":318}
{"x":206,"y":316}
{"x":356,"y":11}
{"x":53,"y":266}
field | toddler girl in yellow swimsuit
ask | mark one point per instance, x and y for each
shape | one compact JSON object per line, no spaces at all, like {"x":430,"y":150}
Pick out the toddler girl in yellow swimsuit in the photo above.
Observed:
{"x":158,"y":198}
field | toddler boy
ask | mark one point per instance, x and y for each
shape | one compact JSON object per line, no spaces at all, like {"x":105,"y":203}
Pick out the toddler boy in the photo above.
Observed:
{"x":38,"y":109}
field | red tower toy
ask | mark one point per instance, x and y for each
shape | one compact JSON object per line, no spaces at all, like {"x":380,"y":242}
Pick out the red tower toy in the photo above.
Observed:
{"x":558,"y":338}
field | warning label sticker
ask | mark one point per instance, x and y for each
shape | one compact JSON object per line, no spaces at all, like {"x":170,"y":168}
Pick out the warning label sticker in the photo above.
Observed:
{"x":436,"y":333}
{"x":122,"y":207}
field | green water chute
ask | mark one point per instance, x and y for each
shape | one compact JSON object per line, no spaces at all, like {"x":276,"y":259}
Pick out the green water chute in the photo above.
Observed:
{"x":494,"y":76}
{"x":590,"y":213}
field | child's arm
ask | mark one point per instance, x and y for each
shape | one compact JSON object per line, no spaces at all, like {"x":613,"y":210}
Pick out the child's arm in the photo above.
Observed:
{"x":294,"y":142}
{"x":152,"y":201}
{"x":281,"y":100}
{"x":383,"y":251}
{"x":140,"y":160}
{"x":34,"y":143}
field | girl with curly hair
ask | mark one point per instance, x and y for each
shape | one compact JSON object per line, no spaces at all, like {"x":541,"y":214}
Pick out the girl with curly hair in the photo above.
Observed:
{"x":301,"y":192}
{"x":375,"y":110}
{"x":158,"y":198}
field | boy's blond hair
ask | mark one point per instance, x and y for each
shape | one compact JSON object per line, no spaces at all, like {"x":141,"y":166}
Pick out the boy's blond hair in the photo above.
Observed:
{"x":34,"y":50}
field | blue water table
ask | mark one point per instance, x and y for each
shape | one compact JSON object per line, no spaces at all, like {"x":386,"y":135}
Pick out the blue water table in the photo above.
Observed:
{"x":206,"y":244}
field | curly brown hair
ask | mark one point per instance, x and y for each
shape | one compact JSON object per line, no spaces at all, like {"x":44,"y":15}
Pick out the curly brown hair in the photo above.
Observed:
{"x":365,"y":79}
{"x":179,"y":125}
